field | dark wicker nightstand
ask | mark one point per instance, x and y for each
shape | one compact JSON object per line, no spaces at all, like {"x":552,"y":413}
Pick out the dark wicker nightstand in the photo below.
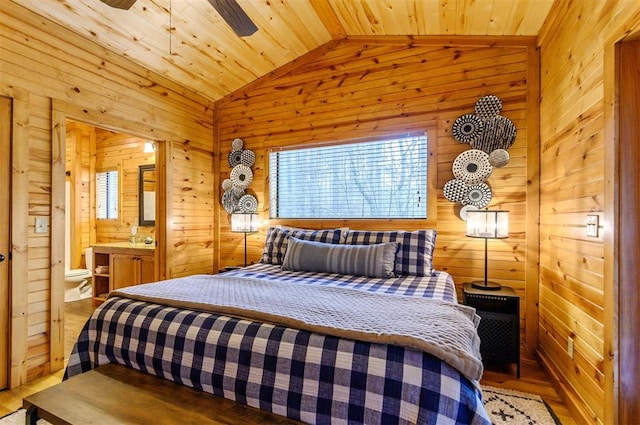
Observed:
{"x":229,"y":268}
{"x":499,"y":327}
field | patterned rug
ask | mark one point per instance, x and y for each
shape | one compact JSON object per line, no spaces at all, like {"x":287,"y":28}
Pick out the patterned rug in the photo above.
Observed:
{"x":17,"y":418}
{"x":516,"y":408}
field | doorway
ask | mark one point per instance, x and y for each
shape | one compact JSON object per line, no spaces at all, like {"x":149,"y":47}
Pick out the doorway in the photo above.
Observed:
{"x":102,"y":178}
{"x":5,"y":177}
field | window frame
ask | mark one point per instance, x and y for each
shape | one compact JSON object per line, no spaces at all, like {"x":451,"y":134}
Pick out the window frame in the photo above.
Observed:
{"x":371,"y":223}
{"x":119,"y":191}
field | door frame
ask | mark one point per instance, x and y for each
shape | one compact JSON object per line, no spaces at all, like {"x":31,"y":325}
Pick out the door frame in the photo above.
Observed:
{"x":61,"y":113}
{"x":6,"y":122}
{"x":627,"y":247}
{"x":620,"y":287}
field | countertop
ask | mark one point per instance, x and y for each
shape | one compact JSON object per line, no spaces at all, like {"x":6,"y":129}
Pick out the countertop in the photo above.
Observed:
{"x":125,"y":245}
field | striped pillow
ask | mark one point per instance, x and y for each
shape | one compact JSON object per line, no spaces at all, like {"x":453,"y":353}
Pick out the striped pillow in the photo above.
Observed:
{"x":275,"y":245}
{"x":415,"y":255}
{"x":359,"y":260}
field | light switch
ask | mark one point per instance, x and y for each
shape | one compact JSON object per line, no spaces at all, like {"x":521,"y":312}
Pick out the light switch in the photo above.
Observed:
{"x":42,"y":224}
{"x":593,"y":224}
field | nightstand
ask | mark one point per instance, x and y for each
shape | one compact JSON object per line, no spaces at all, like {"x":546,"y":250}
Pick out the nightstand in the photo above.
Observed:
{"x":229,"y":269}
{"x":499,"y":327}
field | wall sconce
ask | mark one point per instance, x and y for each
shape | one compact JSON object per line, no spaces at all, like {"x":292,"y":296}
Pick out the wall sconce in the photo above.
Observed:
{"x":149,"y":147}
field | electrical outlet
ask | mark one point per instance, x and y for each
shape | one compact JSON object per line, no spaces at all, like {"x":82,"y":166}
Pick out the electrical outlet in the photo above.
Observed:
{"x":42,"y":225}
{"x":570,"y":347}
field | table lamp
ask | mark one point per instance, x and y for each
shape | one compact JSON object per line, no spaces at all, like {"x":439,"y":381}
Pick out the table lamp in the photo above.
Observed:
{"x":244,"y":223}
{"x":487,"y":224}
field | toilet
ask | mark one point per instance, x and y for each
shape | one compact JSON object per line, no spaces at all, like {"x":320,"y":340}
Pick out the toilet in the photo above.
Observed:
{"x":77,"y":282}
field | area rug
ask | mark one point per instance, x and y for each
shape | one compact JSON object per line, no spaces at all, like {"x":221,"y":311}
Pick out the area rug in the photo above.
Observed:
{"x":515,"y":407}
{"x":17,"y":418}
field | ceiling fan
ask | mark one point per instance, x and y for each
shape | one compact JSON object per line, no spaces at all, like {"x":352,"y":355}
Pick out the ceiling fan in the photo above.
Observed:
{"x":230,"y":11}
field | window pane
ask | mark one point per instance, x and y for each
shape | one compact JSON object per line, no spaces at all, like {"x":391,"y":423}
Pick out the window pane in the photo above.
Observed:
{"x":381,"y":179}
{"x":107,"y":195}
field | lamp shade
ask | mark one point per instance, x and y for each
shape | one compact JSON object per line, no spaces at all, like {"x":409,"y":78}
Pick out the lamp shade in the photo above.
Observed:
{"x":488,"y":224}
{"x":244,"y":223}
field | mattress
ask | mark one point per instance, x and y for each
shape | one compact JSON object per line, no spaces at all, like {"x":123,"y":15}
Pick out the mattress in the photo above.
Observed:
{"x":439,"y":286}
{"x":307,"y":376}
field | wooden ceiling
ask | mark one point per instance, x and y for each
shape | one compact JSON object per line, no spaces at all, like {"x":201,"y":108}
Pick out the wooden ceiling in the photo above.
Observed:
{"x":189,"y":43}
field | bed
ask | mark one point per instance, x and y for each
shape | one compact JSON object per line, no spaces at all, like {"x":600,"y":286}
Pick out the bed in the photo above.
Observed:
{"x":267,"y":336}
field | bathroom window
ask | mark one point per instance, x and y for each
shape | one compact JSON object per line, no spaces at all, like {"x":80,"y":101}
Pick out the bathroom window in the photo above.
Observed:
{"x":107,"y":195}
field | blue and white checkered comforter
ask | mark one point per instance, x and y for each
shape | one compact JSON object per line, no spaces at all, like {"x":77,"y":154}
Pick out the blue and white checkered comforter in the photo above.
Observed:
{"x":306,"y":376}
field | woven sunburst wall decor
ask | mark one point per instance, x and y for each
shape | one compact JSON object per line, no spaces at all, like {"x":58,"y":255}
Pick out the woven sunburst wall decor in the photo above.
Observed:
{"x":235,"y":197}
{"x":490,"y":135}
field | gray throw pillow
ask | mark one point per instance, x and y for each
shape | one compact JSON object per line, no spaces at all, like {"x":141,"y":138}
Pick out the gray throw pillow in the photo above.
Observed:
{"x":376,"y":260}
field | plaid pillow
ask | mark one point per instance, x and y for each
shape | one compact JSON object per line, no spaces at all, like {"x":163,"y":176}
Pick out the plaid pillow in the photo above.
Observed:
{"x":275,"y":245}
{"x":415,"y":255}
{"x":343,"y":235}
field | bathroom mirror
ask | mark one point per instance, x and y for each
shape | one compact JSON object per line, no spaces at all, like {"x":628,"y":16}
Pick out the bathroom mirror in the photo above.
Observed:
{"x":147,"y":195}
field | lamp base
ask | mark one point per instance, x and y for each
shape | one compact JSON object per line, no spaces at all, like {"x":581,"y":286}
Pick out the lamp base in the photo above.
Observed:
{"x":486,"y":286}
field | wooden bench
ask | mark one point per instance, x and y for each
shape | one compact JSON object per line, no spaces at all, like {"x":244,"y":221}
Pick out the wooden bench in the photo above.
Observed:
{"x":115,"y":394}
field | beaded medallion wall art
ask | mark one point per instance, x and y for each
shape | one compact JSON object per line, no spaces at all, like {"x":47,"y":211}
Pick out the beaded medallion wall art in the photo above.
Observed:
{"x":235,"y":198}
{"x":489,"y":136}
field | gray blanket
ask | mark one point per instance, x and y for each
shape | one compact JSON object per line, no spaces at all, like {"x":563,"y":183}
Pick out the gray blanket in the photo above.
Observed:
{"x":443,"y":329}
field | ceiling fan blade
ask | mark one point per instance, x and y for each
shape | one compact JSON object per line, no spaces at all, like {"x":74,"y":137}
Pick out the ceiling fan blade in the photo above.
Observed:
{"x":119,"y":4}
{"x":233,"y":14}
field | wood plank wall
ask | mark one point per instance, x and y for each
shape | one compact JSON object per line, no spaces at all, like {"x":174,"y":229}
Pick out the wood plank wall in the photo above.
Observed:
{"x":576,"y":293}
{"x":80,"y":167}
{"x":193,"y":206}
{"x":379,"y":86}
{"x":52,"y":72}
{"x":38,"y":245}
{"x":124,"y":153}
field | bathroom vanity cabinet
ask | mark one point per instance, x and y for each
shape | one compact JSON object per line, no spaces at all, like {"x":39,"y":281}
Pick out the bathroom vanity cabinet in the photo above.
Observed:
{"x":121,"y":264}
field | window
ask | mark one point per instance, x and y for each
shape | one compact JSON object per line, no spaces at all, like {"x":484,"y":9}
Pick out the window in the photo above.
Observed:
{"x":107,"y":194}
{"x":379,"y":179}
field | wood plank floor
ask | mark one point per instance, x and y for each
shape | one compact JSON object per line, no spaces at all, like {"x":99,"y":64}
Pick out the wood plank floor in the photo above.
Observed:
{"x":532,"y":379}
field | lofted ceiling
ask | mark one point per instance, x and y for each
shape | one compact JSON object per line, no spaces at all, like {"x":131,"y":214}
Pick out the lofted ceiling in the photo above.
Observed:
{"x":188,"y":42}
